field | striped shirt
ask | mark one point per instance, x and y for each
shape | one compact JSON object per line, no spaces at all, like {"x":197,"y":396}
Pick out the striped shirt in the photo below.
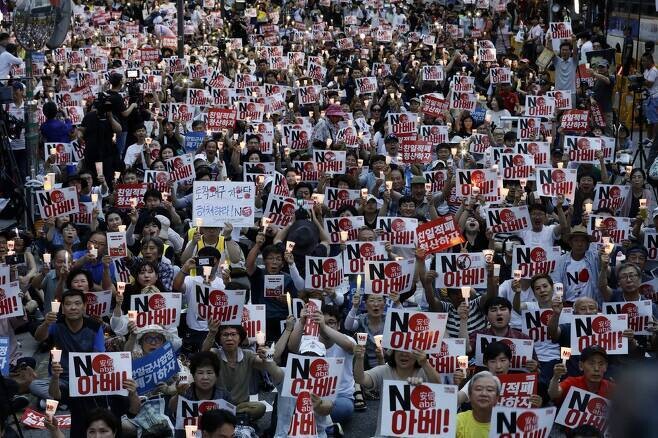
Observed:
{"x":476,"y":319}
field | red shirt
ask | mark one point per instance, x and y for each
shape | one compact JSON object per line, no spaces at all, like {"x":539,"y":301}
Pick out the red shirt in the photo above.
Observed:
{"x":510,"y":100}
{"x":605,"y":387}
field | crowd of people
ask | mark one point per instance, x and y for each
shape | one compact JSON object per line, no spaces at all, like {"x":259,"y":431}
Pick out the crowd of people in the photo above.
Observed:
{"x":374,"y":164}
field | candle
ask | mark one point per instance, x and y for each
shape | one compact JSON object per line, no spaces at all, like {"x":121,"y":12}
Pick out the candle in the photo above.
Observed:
{"x":560,"y":165}
{"x":358,"y":283}
{"x":47,"y":186}
{"x":121,"y":287}
{"x":428,"y":187}
{"x":51,"y":408}
{"x":94,"y":198}
{"x":93,"y":251}
{"x":475,"y":190}
{"x":133,"y":202}
{"x":389,"y":185}
{"x":359,"y":162}
{"x":565,"y":354}
{"x":517,"y":274}
{"x":11,"y":245}
{"x":290,"y":245}
{"x":629,"y":169}
{"x":504,"y":192}
{"x":462,"y":363}
{"x":364,"y":193}
{"x":99,"y":167}
{"x":496,"y":270}
{"x":289,"y":301}
{"x":46,"y":258}
{"x":190,"y":431}
{"x":558,"y":289}
{"x":361,"y":338}
{"x":122,"y":228}
{"x":488,"y":255}
{"x":117,"y":175}
{"x":54,"y":306}
{"x":206,"y":272}
{"x":588,"y":207}
{"x":148,"y":141}
{"x":132,"y":315}
{"x":643,"y":203}
{"x":260,"y":338}
{"x":53,"y":151}
{"x":378,"y":340}
{"x":198,"y":222}
{"x":56,"y":355}
{"x":453,"y":151}
{"x":66,"y":259}
{"x":343,"y":236}
{"x":466,"y":293}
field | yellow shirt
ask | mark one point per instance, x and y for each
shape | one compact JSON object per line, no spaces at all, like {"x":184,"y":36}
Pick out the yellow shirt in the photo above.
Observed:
{"x":468,"y":427}
{"x":200,"y":244}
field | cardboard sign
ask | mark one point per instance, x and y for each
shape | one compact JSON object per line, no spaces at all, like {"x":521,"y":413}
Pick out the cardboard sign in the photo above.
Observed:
{"x":433,"y":73}
{"x":463,"y":83}
{"x":437,"y":178}
{"x":517,"y":166}
{"x":462,"y":101}
{"x":438,"y":235}
{"x":552,"y":182}
{"x":357,"y":253}
{"x":562,"y":99}
{"x":434,"y":134}
{"x":406,"y":330}
{"x":640,"y":314}
{"x":253,"y":320}
{"x":651,"y":244}
{"x":63,"y":153}
{"x":521,"y":421}
{"x":302,"y":423}
{"x":540,"y":151}
{"x":94,"y":374}
{"x":560,"y":30}
{"x":517,"y":389}
{"x":181,"y":112}
{"x":280,"y":210}
{"x":610,"y":196}
{"x":539,"y":106}
{"x":459,"y":270}
{"x":521,"y":350}
{"x":574,"y":120}
{"x":384,"y":277}
{"x":602,"y":330}
{"x":582,"y":149}
{"x":351,"y":224}
{"x":508,"y":219}
{"x":4,"y":356}
{"x":220,"y":119}
{"x":158,"y":308}
{"x":500,"y":75}
{"x":181,"y":168}
{"x":10,"y":301}
{"x":485,"y":179}
{"x":366,"y":85}
{"x":273,"y":286}
{"x":323,"y":272}
{"x":434,"y":106}
{"x":220,"y":202}
{"x":116,"y":244}
{"x":397,"y":230}
{"x":57,"y":202}
{"x":334,"y":198}
{"x":330,"y":162}
{"x":528,"y":128}
{"x":210,"y":304}
{"x":445,"y":361}
{"x":36,"y":420}
{"x":154,"y":368}
{"x":188,"y":412}
{"x":617,"y":229}
{"x":402,"y":123}
{"x":533,"y":260}
{"x":318,"y":375}
{"x":124,"y":193}
{"x":583,"y":407}
{"x":417,"y":151}
{"x":98,"y":304}
{"x":425,"y":410}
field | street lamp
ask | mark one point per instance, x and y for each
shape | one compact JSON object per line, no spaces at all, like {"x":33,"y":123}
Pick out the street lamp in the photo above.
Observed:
{"x":33,"y":24}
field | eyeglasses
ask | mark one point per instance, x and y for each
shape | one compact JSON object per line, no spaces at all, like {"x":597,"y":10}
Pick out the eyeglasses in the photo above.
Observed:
{"x":230,"y":334}
{"x":153,"y":339}
{"x":632,"y":276}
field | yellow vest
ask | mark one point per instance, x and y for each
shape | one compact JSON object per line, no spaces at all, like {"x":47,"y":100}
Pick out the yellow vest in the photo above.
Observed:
{"x":200,"y":244}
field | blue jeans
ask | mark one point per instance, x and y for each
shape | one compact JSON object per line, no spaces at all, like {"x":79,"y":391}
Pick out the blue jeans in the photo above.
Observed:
{"x":342,"y":410}
{"x":121,"y":143}
{"x":40,"y":388}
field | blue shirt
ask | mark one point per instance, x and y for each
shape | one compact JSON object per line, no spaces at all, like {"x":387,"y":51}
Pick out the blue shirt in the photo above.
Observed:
{"x":55,"y":130}
{"x":88,"y":339}
{"x":96,"y":269}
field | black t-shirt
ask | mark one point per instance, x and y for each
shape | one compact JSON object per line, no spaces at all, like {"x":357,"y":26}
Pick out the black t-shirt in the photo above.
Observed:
{"x":98,"y":138}
{"x":118,"y":106}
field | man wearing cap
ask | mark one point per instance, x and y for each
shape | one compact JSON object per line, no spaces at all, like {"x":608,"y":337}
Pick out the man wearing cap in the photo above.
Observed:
{"x":578,"y":269}
{"x":327,"y":127}
{"x":391,"y":149}
{"x":565,"y":63}
{"x":593,"y":364}
{"x":604,"y":83}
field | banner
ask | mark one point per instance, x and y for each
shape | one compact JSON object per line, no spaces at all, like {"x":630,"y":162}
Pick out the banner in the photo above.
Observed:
{"x":533,"y":260}
{"x":158,"y":308}
{"x":157,"y":367}
{"x":618,"y":229}
{"x":609,"y":196}
{"x":125,"y":195}
{"x":602,"y":330}
{"x":210,"y":304}
{"x":10,"y":301}
{"x":517,"y":166}
{"x":445,"y":361}
{"x":4,"y":356}
{"x":98,"y":304}
{"x":350,"y":224}
{"x":438,"y":235}
{"x":521,"y":350}
{"x":253,"y":320}
{"x":406,"y":330}
{"x":459,"y":270}
{"x":399,"y":231}
{"x":640,"y":314}
{"x":425,"y":410}
{"x":486,"y":180}
{"x":36,"y":420}
{"x":384,"y":277}
{"x":220,"y":202}
{"x":508,"y":219}
{"x":517,"y":389}
{"x":189,"y":411}
{"x":302,"y":423}
{"x":95,"y":374}
{"x":582,"y":149}
{"x":318,"y":375}
{"x":357,"y":253}
{"x":517,"y":421}
{"x":552,"y":182}
{"x":539,"y":150}
{"x":434,"y":106}
{"x":583,"y":407}
{"x":323,"y":272}
{"x":57,"y":202}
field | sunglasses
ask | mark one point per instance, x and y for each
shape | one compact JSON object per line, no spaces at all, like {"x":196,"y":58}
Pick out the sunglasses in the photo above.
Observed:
{"x":153,"y":339}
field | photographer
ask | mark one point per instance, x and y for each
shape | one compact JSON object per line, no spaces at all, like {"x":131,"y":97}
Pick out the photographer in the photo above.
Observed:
{"x":121,"y":113}
{"x":602,"y":92}
{"x":650,"y":74}
{"x":98,"y":127}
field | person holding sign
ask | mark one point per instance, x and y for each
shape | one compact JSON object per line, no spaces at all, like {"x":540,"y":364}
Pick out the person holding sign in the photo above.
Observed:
{"x":593,"y":364}
{"x":483,"y":392}
{"x":578,"y":270}
{"x":94,"y":259}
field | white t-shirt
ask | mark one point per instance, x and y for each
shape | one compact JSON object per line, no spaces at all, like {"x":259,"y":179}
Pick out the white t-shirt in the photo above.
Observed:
{"x":577,"y":280}
{"x":651,"y":75}
{"x":346,"y":382}
{"x":546,"y":350}
{"x":192,"y":318}
{"x":132,"y":153}
{"x":544,"y":238}
{"x":17,"y":144}
{"x":505,"y":291}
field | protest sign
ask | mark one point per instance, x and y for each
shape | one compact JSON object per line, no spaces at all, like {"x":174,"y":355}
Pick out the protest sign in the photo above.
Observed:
{"x":529,"y":128}
{"x":535,"y":324}
{"x":384,"y":277}
{"x":640,"y":314}
{"x":434,"y":134}
{"x":445,"y":360}
{"x":500,"y":75}
{"x":366,"y":85}
{"x":61,"y":151}
{"x":57,"y":202}
{"x":357,"y":253}
{"x":562,"y":99}
{"x":220,"y":202}
{"x":517,"y":389}
{"x":220,"y":119}
{"x":486,"y":180}
{"x":10,"y":301}
{"x":323,"y":272}
{"x":127,"y":194}
{"x":433,"y":73}
{"x":193,"y":141}
{"x":609,"y":196}
{"x":582,"y":149}
{"x":116,"y":244}
{"x":508,"y":219}
{"x":302,"y":423}
{"x":253,"y":320}
{"x":397,"y":230}
{"x":36,"y":420}
{"x":84,"y":216}
{"x":533,"y":260}
{"x":280,"y":210}
{"x":159,"y":180}
{"x":408,"y":330}
{"x":434,"y":106}
{"x":98,"y":304}
{"x":334,"y":198}
{"x":479,"y":143}
{"x":318,"y":375}
{"x":416,"y":151}
{"x":552,"y":182}
{"x":539,"y":150}
{"x":181,"y":168}
{"x":516,"y":166}
{"x":651,"y":244}
{"x":439,"y":234}
{"x":460,"y":270}
{"x":96,"y":374}
{"x":462,"y":101}
{"x":437,"y":178}
{"x":521,"y":421}
{"x":583,"y":407}
{"x":330,"y":162}
{"x":463,"y":83}
{"x":4,"y":356}
{"x":539,"y":106}
{"x":188,"y":412}
{"x":402,"y":123}
{"x":618,"y":229}
{"x":602,"y":330}
{"x":156,"y":308}
{"x":425,"y":410}
{"x":574,"y":120}
{"x":273,"y":286}
{"x":157,"y":367}
{"x":211,"y":304}
{"x":521,"y":349}
{"x":350,"y":224}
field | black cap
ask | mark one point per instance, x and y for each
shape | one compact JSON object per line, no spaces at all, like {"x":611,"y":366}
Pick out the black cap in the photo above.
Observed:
{"x":591,"y":351}
{"x":390,"y":138}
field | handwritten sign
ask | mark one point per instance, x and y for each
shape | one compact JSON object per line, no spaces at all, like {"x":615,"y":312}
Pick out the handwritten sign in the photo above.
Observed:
{"x":220,"y":202}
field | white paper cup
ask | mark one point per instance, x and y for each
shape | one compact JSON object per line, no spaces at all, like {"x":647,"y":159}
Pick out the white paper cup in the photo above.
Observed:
{"x":260,"y":338}
{"x":269,"y":355}
{"x":462,"y":362}
{"x":361,"y":338}
{"x":378,"y":340}
{"x":51,"y":407}
{"x":496,"y":270}
{"x":56,"y":355}
{"x":488,"y":255}
{"x":517,"y":274}
{"x":190,"y":431}
{"x":46,"y":258}
{"x":132,"y":315}
{"x":54,"y":306}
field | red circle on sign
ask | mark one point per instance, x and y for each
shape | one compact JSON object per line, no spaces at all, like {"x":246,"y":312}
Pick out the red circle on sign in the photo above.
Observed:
{"x":631,"y":310}
{"x":367,"y":250}
{"x":538,"y":255}
{"x":558,"y":175}
{"x":533,"y":148}
{"x":419,"y":322}
{"x":507,"y":215}
{"x":343,"y":195}
{"x":157,"y":302}
{"x":393,"y":270}
{"x":304,"y":403}
{"x":319,"y":368}
{"x":57,"y":196}
{"x":344,"y":224}
{"x":615,"y":192}
{"x":463,"y":261}
{"x":609,"y":223}
{"x":597,"y":406}
{"x":102,"y":364}
{"x":601,"y":325}
{"x":422,"y":397}
{"x":583,"y":143}
{"x":90,"y":298}
{"x":218,"y":298}
{"x":162,"y":177}
{"x":398,"y":225}
{"x":527,"y":421}
{"x":246,"y":211}
{"x":330,"y":266}
{"x":477,"y":177}
{"x":510,"y":344}
{"x":518,"y":160}
{"x":329,"y":156}
{"x":545,"y":316}
{"x":207,"y":406}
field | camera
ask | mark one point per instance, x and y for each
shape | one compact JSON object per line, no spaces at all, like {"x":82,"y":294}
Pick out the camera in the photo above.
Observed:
{"x":636,"y":83}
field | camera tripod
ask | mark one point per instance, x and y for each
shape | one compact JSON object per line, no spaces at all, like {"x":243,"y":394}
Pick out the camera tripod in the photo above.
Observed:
{"x":640,"y":153}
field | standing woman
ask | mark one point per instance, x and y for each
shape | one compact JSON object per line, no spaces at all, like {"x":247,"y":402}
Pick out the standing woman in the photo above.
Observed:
{"x":639,"y":190}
